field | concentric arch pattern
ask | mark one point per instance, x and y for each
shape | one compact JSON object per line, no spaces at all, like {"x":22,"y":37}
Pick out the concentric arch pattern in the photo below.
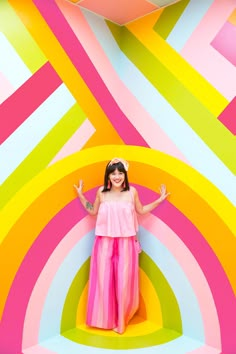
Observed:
{"x":161,"y":90}
{"x":58,"y":247}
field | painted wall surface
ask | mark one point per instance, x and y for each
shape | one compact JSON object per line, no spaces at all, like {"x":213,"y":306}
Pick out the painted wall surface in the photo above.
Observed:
{"x":77,"y":90}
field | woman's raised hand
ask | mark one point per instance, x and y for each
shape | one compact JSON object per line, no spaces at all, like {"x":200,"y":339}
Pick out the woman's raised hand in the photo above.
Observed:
{"x":79,"y":188}
{"x":163,"y":192}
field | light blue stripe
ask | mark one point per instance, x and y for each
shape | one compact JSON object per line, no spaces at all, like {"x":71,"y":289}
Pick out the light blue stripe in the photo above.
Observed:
{"x":53,"y":308}
{"x":181,"y":345}
{"x":11,"y":64}
{"x":199,"y":155}
{"x":112,"y":50}
{"x":23,"y":140}
{"x":189,"y":308}
{"x":187,"y":23}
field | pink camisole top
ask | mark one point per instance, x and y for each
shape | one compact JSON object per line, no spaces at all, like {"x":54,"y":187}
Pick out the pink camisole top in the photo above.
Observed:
{"x":117,"y":218}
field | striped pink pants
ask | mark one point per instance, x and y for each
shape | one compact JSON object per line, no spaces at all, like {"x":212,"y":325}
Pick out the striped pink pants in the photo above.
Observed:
{"x":113,"y":296}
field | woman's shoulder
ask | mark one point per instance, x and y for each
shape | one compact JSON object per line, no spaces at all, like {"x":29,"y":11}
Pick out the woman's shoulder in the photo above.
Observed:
{"x":132,"y":189}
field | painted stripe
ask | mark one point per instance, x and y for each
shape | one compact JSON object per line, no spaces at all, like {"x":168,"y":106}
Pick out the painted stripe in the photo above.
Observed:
{"x":172,"y":123}
{"x":225,"y":40}
{"x":198,"y":51}
{"x":50,"y":45}
{"x":232,"y":18}
{"x":185,"y":103}
{"x":85,"y":67}
{"x":70,"y":237}
{"x":76,"y":142}
{"x":134,"y":111}
{"x":167,"y":62}
{"x":15,"y":149}
{"x":24,"y":45}
{"x":210,"y":266}
{"x":11,"y":65}
{"x":192,"y":271}
{"x":39,"y":87}
{"x":189,"y":20}
{"x":227,"y":117}
{"x":42,"y":154}
{"x":167,"y":21}
{"x":6,"y":89}
{"x":178,"y":346}
{"x":192,"y":325}
{"x":166,"y":117}
{"x":27,"y":278}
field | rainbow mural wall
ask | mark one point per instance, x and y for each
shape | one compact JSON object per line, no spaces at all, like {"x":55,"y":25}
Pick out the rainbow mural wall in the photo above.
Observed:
{"x":77,"y":90}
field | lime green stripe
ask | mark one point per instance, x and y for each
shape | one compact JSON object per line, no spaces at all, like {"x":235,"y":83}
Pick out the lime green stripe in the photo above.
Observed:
{"x":169,"y":17}
{"x":169,"y":307}
{"x":20,"y":39}
{"x":68,"y":319}
{"x":43,"y":153}
{"x":203,"y":122}
{"x":161,"y":336}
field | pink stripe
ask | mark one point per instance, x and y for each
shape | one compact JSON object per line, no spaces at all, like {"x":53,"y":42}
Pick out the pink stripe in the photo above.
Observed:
{"x":6,"y":89}
{"x":214,"y":273}
{"x":192,"y":271}
{"x":40,"y":290}
{"x":228,"y":116}
{"x":132,"y":108}
{"x":76,"y":142}
{"x":205,"y":350}
{"x":225,"y":41}
{"x":38,"y":350}
{"x":198,"y":50}
{"x":28,"y":273}
{"x":27,"y":99}
{"x":85,"y":67}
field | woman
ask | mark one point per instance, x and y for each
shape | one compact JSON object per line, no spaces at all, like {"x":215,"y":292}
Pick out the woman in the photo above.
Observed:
{"x":113,"y":296}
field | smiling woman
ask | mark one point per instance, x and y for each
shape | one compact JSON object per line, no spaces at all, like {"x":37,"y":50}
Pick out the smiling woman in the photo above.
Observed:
{"x":113,"y":296}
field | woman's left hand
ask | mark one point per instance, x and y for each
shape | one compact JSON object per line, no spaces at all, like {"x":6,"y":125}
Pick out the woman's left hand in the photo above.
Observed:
{"x":163,"y":192}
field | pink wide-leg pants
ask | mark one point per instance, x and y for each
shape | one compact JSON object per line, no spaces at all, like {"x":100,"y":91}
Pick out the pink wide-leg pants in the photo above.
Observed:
{"x":113,"y":296}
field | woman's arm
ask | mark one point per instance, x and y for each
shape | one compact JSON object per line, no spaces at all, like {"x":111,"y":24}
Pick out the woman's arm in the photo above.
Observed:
{"x":144,"y":209}
{"x":92,"y":209}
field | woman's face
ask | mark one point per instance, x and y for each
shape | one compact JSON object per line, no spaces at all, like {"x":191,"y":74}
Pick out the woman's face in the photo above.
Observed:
{"x":117,"y":178}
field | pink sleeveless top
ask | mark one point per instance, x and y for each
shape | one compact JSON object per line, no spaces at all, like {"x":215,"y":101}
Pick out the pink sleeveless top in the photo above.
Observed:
{"x":117,"y":218}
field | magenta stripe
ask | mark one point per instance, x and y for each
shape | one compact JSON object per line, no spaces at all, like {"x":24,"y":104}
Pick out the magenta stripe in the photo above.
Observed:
{"x":28,"y":273}
{"x":23,"y":102}
{"x":85,"y":67}
{"x":212,"y":269}
{"x":228,"y":116}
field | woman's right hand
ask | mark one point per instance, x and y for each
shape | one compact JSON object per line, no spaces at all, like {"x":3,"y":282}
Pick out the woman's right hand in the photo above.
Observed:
{"x":79,"y":188}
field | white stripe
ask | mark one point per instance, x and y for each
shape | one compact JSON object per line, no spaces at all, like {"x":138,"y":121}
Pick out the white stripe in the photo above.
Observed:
{"x":11,"y":64}
{"x":21,"y":143}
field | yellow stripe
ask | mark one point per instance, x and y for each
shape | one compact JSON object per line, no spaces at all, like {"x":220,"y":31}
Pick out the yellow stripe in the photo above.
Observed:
{"x":30,"y":16}
{"x":184,"y":72}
